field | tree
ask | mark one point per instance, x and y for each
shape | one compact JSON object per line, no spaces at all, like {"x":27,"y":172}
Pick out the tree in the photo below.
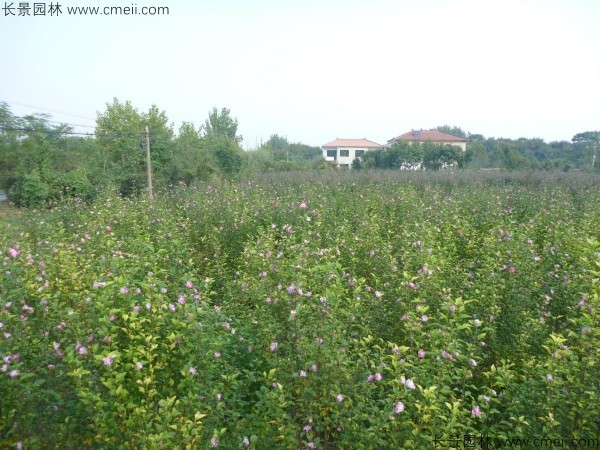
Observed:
{"x":436,"y":157}
{"x":589,"y":143}
{"x":221,"y":124}
{"x":120,"y":133}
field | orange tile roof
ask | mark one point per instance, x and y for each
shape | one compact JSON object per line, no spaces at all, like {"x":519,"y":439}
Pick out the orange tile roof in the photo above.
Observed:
{"x":428,"y":135}
{"x":353,"y":143}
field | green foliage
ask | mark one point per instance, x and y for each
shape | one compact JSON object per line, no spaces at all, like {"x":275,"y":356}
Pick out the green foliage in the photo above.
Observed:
{"x":335,"y":310}
{"x":221,"y":125}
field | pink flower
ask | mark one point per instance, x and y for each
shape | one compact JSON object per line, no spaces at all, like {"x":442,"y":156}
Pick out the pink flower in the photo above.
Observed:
{"x":293,"y":313}
{"x":303,"y":204}
{"x":378,"y":376}
{"x":138,"y":366}
{"x":424,"y":318}
{"x":421,"y":353}
{"x":217,"y":354}
{"x":124,"y":290}
{"x":14,"y":253}
{"x":399,"y":407}
{"x":217,"y":309}
{"x":171,"y":306}
{"x":303,"y":373}
{"x":409,"y":383}
{"x":181,"y":300}
{"x":377,"y":294}
{"x":14,"y":373}
{"x":245,"y":442}
{"x":273,"y":346}
{"x":82,"y":350}
{"x":214,"y":442}
{"x":108,"y":229}
{"x":189,"y":284}
{"x":476,"y":411}
{"x":313,"y":367}
{"x":340,"y":398}
{"x":107,"y":361}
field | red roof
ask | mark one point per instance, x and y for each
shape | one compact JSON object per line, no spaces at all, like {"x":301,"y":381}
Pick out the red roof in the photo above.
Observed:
{"x":362,"y":143}
{"x":428,"y":135}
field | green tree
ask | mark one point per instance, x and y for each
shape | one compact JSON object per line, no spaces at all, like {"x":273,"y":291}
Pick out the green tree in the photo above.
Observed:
{"x":589,"y":143}
{"x":436,"y":157}
{"x":221,"y":124}
{"x":120,"y":132}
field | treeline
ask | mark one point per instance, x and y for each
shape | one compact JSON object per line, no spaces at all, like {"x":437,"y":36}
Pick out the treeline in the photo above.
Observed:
{"x":43,"y":163}
{"x":490,"y":153}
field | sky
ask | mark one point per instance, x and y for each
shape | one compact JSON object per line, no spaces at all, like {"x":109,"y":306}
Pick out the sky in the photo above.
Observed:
{"x":316,"y":70}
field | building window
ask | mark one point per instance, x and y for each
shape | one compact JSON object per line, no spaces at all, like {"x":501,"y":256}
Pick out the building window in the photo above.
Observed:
{"x":332,"y":154}
{"x":359,"y":153}
{"x":344,"y":153}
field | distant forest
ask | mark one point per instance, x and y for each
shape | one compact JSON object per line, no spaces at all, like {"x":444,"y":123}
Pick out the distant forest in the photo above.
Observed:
{"x":43,"y":162}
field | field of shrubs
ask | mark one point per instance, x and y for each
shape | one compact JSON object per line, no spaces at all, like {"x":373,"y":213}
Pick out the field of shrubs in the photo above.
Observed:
{"x":331,"y":311}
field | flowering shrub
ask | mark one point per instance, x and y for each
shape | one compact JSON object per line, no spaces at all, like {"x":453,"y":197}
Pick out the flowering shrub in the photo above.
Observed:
{"x":346,"y":311}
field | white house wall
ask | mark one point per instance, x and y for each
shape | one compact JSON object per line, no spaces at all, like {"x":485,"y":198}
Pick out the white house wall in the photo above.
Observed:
{"x":344,"y":159}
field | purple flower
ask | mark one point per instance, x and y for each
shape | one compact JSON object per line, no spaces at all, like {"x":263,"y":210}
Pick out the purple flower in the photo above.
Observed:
{"x":124,"y":290}
{"x":14,"y":373}
{"x":171,"y":306}
{"x":245,"y":442}
{"x":273,"y":346}
{"x":189,"y":284}
{"x":313,"y":367}
{"x":409,"y":383}
{"x":82,"y":350}
{"x":291,"y":288}
{"x":181,"y":300}
{"x":107,"y":361}
{"x":378,"y":376}
{"x":303,"y":204}
{"x":311,"y":445}
{"x":476,"y":411}
{"x":399,"y":407}
{"x":307,"y":428}
{"x":340,"y":398}
{"x":217,"y":354}
{"x":424,"y":318}
{"x":303,"y":373}
{"x":421,"y":353}
{"x":138,"y":366}
{"x":214,"y":442}
{"x":473,"y":362}
{"x":14,"y":253}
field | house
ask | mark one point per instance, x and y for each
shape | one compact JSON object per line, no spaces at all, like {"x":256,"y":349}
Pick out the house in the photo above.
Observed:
{"x":434,"y":136}
{"x":343,"y":151}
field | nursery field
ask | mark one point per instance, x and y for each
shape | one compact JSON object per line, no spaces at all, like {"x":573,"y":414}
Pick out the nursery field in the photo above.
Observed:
{"x":331,"y":311}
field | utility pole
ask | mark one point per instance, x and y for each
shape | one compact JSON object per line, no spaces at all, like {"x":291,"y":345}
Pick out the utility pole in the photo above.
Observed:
{"x":149,"y":164}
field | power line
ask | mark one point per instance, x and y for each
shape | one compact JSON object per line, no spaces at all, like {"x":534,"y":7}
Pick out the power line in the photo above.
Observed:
{"x":58,"y":122}
{"x":47,"y":109}
{"x":75,"y":133}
